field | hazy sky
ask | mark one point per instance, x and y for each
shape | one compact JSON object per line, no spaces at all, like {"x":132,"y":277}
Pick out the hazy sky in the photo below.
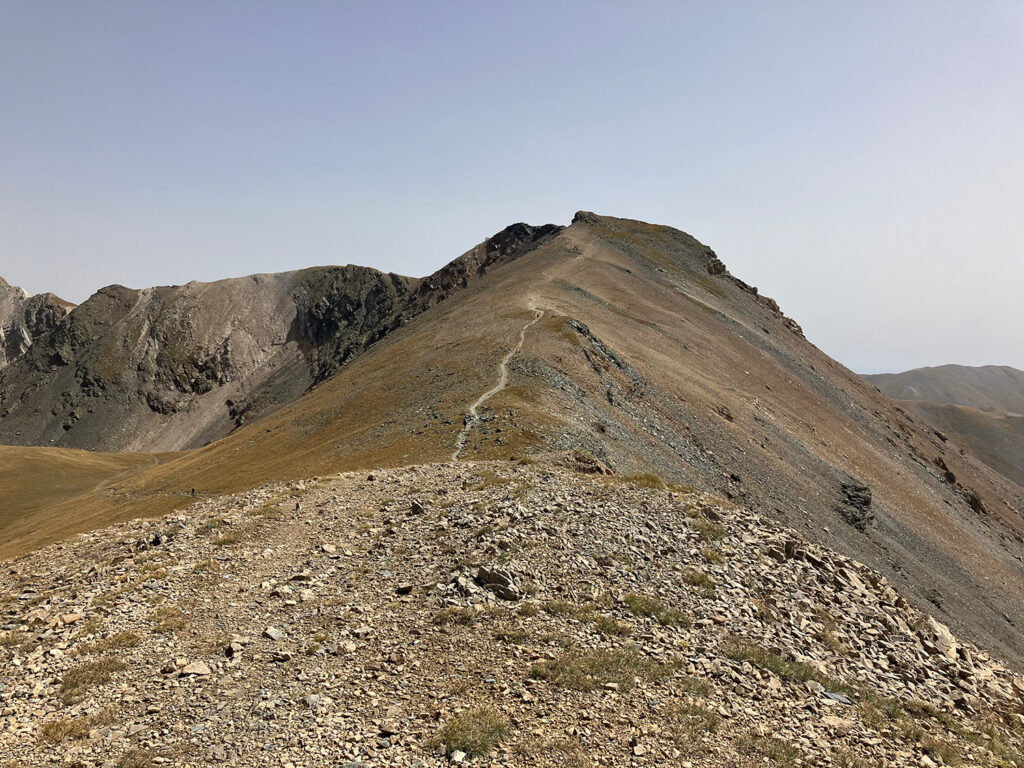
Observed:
{"x":861,"y":162}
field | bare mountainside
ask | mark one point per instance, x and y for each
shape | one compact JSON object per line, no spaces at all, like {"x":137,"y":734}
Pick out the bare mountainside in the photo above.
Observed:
{"x":986,"y":387}
{"x":177,"y":367}
{"x":487,"y":613}
{"x":982,"y":408}
{"x":630,"y":343}
{"x":24,"y":318}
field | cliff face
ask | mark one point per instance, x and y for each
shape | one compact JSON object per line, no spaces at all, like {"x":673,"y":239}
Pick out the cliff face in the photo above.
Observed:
{"x":24,"y":318}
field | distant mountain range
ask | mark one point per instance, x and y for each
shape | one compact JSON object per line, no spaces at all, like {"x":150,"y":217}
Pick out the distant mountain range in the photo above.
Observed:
{"x":981,"y":407}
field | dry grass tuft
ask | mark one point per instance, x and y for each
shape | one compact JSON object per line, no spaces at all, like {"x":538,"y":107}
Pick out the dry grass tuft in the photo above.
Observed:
{"x":653,"y":608}
{"x":475,"y":732}
{"x":76,"y":682}
{"x":56,"y":731}
{"x":588,"y":670}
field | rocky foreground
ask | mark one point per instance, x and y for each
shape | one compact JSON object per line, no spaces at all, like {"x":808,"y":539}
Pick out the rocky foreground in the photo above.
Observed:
{"x":480,"y":613}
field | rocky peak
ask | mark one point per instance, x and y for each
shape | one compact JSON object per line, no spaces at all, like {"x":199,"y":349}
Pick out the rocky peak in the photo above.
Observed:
{"x":24,"y":317}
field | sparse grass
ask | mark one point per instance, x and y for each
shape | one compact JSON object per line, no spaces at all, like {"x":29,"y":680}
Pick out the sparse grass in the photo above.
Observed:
{"x":77,"y":681}
{"x":475,"y":732}
{"x":876,"y":712}
{"x":653,"y":608}
{"x":90,"y":626}
{"x":696,"y":686}
{"x":771,"y":748}
{"x":691,"y":722}
{"x":588,"y":670}
{"x":712,"y":555}
{"x":763,"y":611}
{"x":708,"y":530}
{"x":512,"y":636}
{"x":528,"y":610}
{"x":703,"y":583}
{"x":582,"y":612}
{"x":168,"y":619}
{"x":935,"y":747}
{"x":107,"y":598}
{"x":17,"y":639}
{"x":792,"y":671}
{"x":136,"y":758}
{"x":227,"y":540}
{"x":570,"y":754}
{"x":266,"y":511}
{"x":115,"y":642}
{"x":847,"y":758}
{"x":56,"y":731}
{"x":454,"y":615}
{"x":644,"y":480}
{"x":606,"y":625}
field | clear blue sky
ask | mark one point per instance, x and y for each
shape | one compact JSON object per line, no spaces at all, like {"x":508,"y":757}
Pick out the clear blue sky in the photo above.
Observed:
{"x":861,"y":162}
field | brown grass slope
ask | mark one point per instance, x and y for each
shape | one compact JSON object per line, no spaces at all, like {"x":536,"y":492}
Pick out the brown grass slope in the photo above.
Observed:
{"x":982,"y":408}
{"x":983,"y":387}
{"x":996,"y":437}
{"x":651,"y":357}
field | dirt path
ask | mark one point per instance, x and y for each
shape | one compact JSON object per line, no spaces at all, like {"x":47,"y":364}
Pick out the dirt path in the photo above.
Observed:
{"x":473,"y":418}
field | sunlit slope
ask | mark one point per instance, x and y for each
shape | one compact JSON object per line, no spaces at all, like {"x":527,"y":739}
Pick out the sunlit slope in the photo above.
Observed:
{"x":41,"y":490}
{"x":650,"y":357}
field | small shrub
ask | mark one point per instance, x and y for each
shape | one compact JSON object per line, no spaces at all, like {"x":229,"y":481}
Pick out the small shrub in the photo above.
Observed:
{"x":475,"y":732}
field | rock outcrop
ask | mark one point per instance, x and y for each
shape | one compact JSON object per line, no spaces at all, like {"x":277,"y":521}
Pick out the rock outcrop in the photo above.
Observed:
{"x":24,"y":318}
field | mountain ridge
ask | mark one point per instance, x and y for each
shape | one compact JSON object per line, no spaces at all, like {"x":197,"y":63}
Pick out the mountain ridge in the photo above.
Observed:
{"x":649,"y":358}
{"x":173,"y":367}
